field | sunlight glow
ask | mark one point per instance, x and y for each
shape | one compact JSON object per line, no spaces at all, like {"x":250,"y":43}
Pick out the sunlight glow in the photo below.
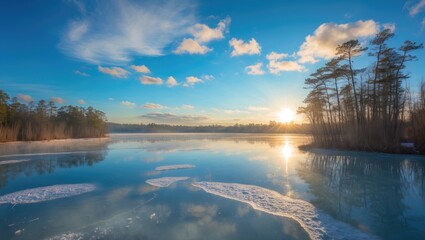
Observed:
{"x":286,"y":151}
{"x":286,"y":115}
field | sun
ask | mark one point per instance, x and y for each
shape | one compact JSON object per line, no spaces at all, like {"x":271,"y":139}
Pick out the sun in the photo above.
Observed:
{"x":286,"y":115}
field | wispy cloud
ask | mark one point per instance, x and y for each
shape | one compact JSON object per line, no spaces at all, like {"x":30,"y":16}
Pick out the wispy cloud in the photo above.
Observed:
{"x":117,"y":30}
{"x":191,"y":81}
{"x":257,"y":109}
{"x":111,"y":99}
{"x":128,"y":104}
{"x":114,"y":71}
{"x":57,"y":100}
{"x":241,"y":48}
{"x":82,"y":102}
{"x":140,"y":69}
{"x":81,"y":73}
{"x":153,"y":106}
{"x":417,"y":8}
{"x":202,"y":34}
{"x":25,"y":98}
{"x":187,"y":107}
{"x":234,"y":111}
{"x":173,"y":118}
{"x":150,"y":80}
{"x":255,"y":69}
{"x":77,"y":29}
{"x":80,"y":5}
{"x":208,"y":77}
{"x":42,"y":89}
{"x":328,"y":36}
{"x":172,"y":82}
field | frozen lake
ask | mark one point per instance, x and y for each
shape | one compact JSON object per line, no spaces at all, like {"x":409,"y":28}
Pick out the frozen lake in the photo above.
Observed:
{"x":207,"y":186}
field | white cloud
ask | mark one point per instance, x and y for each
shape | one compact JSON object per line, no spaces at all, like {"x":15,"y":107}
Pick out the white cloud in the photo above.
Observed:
{"x":84,"y":74}
{"x":82,"y":102}
{"x":115,"y":31}
{"x":128,"y":104}
{"x":57,"y":100}
{"x":240,"y":47}
{"x":153,"y":106}
{"x":276,"y":66}
{"x":325,"y":39}
{"x":150,"y":80}
{"x":276,"y":56}
{"x":110,"y":99}
{"x":202,"y":34}
{"x":191,"y":46}
{"x":255,"y":69}
{"x":208,"y":77}
{"x":257,"y":109}
{"x":140,"y":69}
{"x":191,"y":80}
{"x":25,"y":98}
{"x":417,"y":8}
{"x":114,"y":71}
{"x":187,"y":106}
{"x":172,"y":82}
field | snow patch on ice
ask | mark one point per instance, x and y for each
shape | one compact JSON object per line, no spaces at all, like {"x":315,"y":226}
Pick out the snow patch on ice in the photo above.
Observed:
{"x":174,"y":167}
{"x":316,"y":223}
{"x":68,"y":236}
{"x":41,"y":194}
{"x":165,"y":181}
{"x":7,"y":162}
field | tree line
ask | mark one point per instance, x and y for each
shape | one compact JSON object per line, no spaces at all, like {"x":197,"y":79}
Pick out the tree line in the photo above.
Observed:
{"x":45,"y":121}
{"x":368,"y":108}
{"x":272,"y":127}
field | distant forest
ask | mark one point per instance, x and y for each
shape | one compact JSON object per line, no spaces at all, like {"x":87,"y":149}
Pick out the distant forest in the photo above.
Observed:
{"x":272,"y":127}
{"x":370,"y":109}
{"x":46,"y":121}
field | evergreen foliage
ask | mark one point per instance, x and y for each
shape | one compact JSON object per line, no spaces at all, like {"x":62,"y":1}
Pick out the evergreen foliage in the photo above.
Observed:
{"x":45,"y":121}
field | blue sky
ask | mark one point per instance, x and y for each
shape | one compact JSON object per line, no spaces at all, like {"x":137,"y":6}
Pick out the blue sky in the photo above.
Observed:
{"x":187,"y":62}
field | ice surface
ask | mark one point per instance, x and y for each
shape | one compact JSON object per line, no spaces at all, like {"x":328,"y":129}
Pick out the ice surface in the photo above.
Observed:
{"x":165,"y":181}
{"x":68,"y":236}
{"x":41,"y":194}
{"x":7,"y":162}
{"x":173,"y":167}
{"x":316,"y":223}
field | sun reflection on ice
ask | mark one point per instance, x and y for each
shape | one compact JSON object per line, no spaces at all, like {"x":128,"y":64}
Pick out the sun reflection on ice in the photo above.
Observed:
{"x":286,"y":151}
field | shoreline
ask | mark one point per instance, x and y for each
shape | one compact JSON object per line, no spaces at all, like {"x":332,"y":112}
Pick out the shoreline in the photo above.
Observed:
{"x":57,"y":140}
{"x":407,"y":151}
